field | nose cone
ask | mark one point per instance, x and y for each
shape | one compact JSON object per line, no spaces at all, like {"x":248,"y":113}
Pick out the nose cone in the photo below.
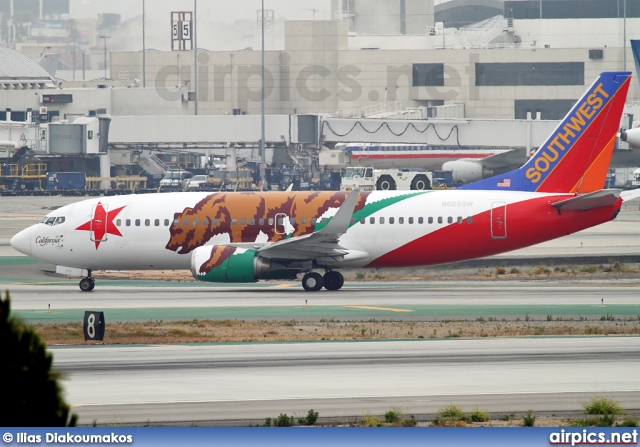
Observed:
{"x":22,"y":241}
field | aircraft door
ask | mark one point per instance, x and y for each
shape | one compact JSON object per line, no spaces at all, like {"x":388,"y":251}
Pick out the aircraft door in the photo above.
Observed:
{"x":280,"y":223}
{"x":499,"y":220}
{"x":99,"y":223}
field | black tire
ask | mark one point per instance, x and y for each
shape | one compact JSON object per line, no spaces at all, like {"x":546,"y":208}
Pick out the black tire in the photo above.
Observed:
{"x":420,"y":182}
{"x":386,"y":183}
{"x":333,"y":280}
{"x":312,"y":282}
{"x":87,"y":284}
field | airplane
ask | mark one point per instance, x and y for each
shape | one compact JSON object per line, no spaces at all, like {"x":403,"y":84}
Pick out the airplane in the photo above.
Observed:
{"x":238,"y":237}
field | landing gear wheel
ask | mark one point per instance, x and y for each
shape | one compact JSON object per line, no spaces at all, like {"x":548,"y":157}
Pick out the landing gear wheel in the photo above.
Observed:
{"x":312,"y":282}
{"x":333,"y":280}
{"x":87,"y":284}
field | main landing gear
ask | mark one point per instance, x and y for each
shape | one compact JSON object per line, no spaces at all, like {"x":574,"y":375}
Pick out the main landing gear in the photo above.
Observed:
{"x":332,"y":280}
{"x":88,"y":283}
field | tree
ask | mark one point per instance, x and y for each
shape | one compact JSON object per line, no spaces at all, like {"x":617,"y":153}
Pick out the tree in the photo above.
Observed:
{"x":31,"y":396}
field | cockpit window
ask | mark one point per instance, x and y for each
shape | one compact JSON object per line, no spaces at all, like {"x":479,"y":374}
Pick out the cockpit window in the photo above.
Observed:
{"x":51,"y":221}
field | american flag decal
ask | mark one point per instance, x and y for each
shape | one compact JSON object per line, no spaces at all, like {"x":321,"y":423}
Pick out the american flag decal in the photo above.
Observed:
{"x":505,"y":183}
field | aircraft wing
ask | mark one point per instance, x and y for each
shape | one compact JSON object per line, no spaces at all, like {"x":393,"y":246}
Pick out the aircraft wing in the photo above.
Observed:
{"x":324,"y":243}
{"x":604,"y":197}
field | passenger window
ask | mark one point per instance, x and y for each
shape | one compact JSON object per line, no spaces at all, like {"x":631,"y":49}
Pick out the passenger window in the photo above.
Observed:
{"x":166,"y":222}
{"x":353,"y":221}
{"x":430,"y":220}
{"x":382,"y":220}
{"x":176,"y":222}
{"x":214,"y":222}
{"x":128,"y":222}
{"x":411,"y":220}
{"x":325,"y":220}
{"x":313,"y":221}
{"x":303,"y":221}
{"x":363,"y":220}
{"x":469,"y":219}
{"x":280,"y":220}
{"x":459,"y":219}
{"x":195,"y":222}
{"x":156,"y":222}
{"x":261,"y":221}
{"x":372,"y":220}
{"x":270,"y":221}
{"x":440,"y":220}
{"x":449,"y":219}
{"x":243,"y":221}
{"x":233,"y":221}
{"x":205,"y":222}
{"x":292,"y":220}
{"x":185,"y":223}
{"x":391,"y":220}
{"x":400,"y":220}
{"x":118,"y":222}
{"x":420,"y":220}
{"x":147,"y":222}
{"x":252,"y":221}
{"x":137,"y":222}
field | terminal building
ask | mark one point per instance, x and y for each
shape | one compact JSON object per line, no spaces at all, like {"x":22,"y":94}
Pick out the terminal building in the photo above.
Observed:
{"x":500,"y":79}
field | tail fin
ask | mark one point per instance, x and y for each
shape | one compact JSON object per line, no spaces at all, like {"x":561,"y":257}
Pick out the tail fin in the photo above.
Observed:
{"x":576,"y":156}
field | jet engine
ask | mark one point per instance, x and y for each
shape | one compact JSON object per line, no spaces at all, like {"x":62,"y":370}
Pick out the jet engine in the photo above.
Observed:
{"x":466,"y":171}
{"x":222,"y":263}
{"x":631,"y":136}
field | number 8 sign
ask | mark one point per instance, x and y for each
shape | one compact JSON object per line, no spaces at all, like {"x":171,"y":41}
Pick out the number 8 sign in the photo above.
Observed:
{"x":93,"y":325}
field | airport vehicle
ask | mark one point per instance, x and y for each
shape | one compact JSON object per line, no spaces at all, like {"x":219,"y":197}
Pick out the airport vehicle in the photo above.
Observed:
{"x":175,"y":179}
{"x":196,"y":182}
{"x":248,"y":236}
{"x":369,"y":179}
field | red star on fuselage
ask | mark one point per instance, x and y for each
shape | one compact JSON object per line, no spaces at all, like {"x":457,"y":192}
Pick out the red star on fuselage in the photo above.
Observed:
{"x":102,"y":223}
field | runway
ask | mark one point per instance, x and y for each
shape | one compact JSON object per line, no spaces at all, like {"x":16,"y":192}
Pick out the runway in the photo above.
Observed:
{"x":344,"y":380}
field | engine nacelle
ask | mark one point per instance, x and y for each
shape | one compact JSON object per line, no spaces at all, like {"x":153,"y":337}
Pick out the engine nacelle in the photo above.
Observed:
{"x":631,"y":136}
{"x":466,"y":170}
{"x":221,"y":263}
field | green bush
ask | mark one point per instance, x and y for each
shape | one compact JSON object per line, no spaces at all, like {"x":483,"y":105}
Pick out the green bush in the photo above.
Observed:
{"x":603,"y":406}
{"x":392,"y":416}
{"x":451,"y":415}
{"x":31,"y":396}
{"x":284,"y":421}
{"x":528,"y":420}
{"x":310,"y":419}
{"x":370,"y":420}
{"x":478,"y":415}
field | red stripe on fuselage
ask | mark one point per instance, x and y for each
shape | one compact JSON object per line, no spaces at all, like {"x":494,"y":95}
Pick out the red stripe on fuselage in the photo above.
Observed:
{"x":529,"y":222}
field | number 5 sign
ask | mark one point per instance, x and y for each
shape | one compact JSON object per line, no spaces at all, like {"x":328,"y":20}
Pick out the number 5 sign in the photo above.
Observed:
{"x":93,"y":325}
{"x":181,"y":30}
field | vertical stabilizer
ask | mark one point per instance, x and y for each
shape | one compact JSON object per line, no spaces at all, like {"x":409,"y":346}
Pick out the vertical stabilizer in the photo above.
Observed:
{"x":576,"y":156}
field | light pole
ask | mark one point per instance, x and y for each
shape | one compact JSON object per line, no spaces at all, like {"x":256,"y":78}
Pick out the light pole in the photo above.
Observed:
{"x":144,"y":50}
{"x":104,"y":38}
{"x":262,"y":154}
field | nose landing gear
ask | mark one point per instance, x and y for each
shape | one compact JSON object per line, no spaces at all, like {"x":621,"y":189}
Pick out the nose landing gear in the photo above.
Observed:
{"x":87,"y":284}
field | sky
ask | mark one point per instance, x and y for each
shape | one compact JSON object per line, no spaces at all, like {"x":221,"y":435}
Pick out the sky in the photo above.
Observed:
{"x":222,"y":25}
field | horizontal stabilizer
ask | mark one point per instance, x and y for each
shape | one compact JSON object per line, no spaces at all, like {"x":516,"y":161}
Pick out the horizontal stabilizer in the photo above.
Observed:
{"x":630,"y":195}
{"x":605,"y":197}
